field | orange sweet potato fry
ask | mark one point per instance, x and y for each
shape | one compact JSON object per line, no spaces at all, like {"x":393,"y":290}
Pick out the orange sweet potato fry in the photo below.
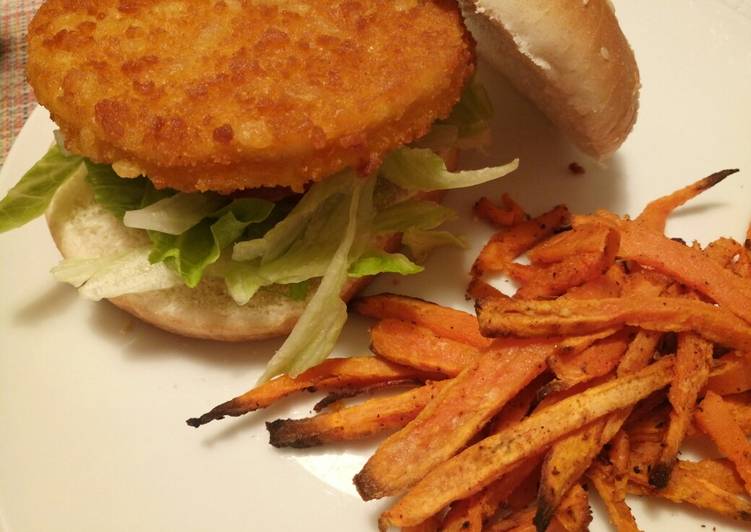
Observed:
{"x":723,"y":250}
{"x":656,"y":213}
{"x":570,"y":457}
{"x":608,"y":285}
{"x":688,"y":265}
{"x":509,"y":214}
{"x":418,"y":347}
{"x":429,"y":525}
{"x":470,"y":515}
{"x":597,"y":360}
{"x":574,"y":515}
{"x":454,"y":417}
{"x":619,"y":513}
{"x":684,"y":487}
{"x":692,"y":363}
{"x":574,"y":270}
{"x":482,"y":463}
{"x":719,"y":472}
{"x":717,"y":421}
{"x":368,"y":418}
{"x":588,"y":238}
{"x":509,"y":243}
{"x":564,"y":464}
{"x":731,"y":374}
{"x":331,"y":374}
{"x":740,"y":406}
{"x":479,"y":289}
{"x":443,"y":321}
{"x":502,"y":317}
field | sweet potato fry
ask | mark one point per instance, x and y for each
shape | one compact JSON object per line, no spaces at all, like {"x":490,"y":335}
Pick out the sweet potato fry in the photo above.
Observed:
{"x":731,"y":374}
{"x":699,"y":492}
{"x":355,"y":422}
{"x":592,"y":238}
{"x":570,"y":457}
{"x":479,"y":289}
{"x":509,"y":214}
{"x":509,"y":243}
{"x":716,"y":420}
{"x":555,"y":279}
{"x":742,"y":266}
{"x":454,"y":417}
{"x":688,"y":265}
{"x":574,"y":515}
{"x":520,"y":521}
{"x":597,"y":360}
{"x":331,"y":374}
{"x":692,"y":362}
{"x":333,"y":400}
{"x":429,"y":525}
{"x":740,"y":406}
{"x":503,"y":317}
{"x":418,"y":347}
{"x":608,"y":285}
{"x":722,"y":251}
{"x":564,"y":464}
{"x":470,"y":515}
{"x":619,"y":512}
{"x":639,"y":353}
{"x":478,"y":465}
{"x":656,"y":213}
{"x":443,"y":321}
{"x":719,"y":472}
{"x":518,"y":407}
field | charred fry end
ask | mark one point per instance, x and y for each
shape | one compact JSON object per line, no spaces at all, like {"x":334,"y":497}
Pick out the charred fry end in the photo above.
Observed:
{"x":659,"y":475}
{"x":218,"y":412}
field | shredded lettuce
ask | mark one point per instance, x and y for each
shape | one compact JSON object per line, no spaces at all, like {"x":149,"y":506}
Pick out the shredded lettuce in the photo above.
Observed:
{"x":375,"y":262}
{"x":116,"y":194}
{"x":467,"y":127}
{"x":321,"y":322}
{"x":420,"y":242}
{"x":411,"y":213}
{"x":29,"y":198}
{"x":421,"y":169}
{"x":278,"y":240}
{"x":192,"y":251}
{"x":306,"y":256}
{"x":107,"y":277}
{"x":473,"y":112}
{"x":176,"y":214}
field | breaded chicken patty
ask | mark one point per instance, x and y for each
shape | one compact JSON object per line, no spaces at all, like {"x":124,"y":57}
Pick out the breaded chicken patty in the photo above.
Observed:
{"x":230,"y":94}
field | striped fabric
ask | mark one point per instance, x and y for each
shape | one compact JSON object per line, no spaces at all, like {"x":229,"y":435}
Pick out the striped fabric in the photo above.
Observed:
{"x":16,"y":97}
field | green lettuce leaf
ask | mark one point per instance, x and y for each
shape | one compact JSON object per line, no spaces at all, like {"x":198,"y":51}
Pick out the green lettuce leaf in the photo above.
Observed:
{"x":320,"y":324}
{"x":114,"y":193}
{"x":473,"y":112}
{"x":375,"y":262}
{"x":243,"y":281}
{"x":278,"y":240}
{"x":421,"y":169}
{"x":29,"y":198}
{"x":174,"y":215}
{"x":411,"y":213}
{"x":107,"y":277}
{"x":191,"y":252}
{"x":420,"y":243}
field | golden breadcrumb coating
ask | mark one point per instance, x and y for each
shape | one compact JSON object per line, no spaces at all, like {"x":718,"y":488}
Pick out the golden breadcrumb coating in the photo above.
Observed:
{"x":232,"y":94}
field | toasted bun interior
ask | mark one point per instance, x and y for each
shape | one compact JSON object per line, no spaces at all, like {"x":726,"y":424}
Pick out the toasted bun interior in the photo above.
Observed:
{"x":570,"y":58}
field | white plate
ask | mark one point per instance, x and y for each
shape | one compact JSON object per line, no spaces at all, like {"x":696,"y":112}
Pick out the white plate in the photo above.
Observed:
{"x":93,"y":403}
